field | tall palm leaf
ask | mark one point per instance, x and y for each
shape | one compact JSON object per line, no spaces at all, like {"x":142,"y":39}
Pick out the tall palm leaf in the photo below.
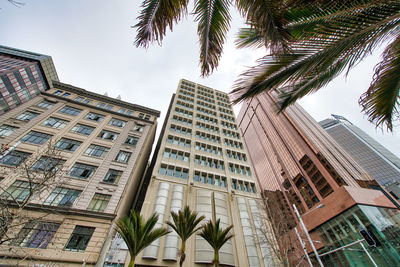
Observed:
{"x":185,"y":225}
{"x":155,"y":17}
{"x":138,"y":233}
{"x":216,"y":237}
{"x":326,"y":44}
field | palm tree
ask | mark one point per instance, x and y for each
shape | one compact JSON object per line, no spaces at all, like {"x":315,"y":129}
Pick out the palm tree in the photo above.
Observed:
{"x":185,"y":225}
{"x":216,"y":237}
{"x":138,"y":233}
{"x":310,"y":43}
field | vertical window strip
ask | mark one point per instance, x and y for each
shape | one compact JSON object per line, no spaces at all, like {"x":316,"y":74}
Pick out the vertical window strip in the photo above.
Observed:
{"x":261,"y":231}
{"x":160,"y":205}
{"x":172,"y":239}
{"x":252,"y":254}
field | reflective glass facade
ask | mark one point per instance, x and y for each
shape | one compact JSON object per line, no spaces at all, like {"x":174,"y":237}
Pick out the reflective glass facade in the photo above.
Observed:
{"x":344,"y":229}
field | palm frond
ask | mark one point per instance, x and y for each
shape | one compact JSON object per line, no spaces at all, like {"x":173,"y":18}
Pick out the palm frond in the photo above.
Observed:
{"x":338,"y":43}
{"x":214,"y":21}
{"x":382,"y":100}
{"x":138,"y":233}
{"x":155,"y":17}
{"x":214,"y":235}
{"x":249,"y":37}
{"x":267,"y":16}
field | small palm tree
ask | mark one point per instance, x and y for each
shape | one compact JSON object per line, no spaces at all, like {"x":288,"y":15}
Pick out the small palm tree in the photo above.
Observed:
{"x":216,"y":237}
{"x":138,"y":233}
{"x":185,"y":225}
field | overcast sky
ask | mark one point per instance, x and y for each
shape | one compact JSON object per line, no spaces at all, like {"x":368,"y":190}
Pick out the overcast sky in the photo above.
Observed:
{"x":91,"y":43}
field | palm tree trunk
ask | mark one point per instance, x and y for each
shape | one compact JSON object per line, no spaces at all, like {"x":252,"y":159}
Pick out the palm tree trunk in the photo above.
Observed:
{"x":132,"y":262}
{"x":183,"y":255}
{"x":216,"y":258}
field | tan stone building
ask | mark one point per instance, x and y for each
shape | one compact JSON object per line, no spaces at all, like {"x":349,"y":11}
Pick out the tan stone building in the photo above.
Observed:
{"x":105,"y":143}
{"x":201,"y":161}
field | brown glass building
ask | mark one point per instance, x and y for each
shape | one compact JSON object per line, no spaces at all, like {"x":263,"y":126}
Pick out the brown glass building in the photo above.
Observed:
{"x":297,"y":162}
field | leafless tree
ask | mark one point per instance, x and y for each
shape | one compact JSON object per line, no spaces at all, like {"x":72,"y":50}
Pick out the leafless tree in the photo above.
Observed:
{"x":21,"y":203}
{"x":281,"y":241}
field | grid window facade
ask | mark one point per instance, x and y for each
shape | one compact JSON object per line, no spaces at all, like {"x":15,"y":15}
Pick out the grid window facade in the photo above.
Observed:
{"x":112,"y":176}
{"x":108,"y":135}
{"x":209,"y":128}
{"x":174,"y":171}
{"x":56,"y":123}
{"x":48,"y":164}
{"x":209,"y":162}
{"x":208,"y":137}
{"x":36,"y":138}
{"x":239,"y":169}
{"x":94,"y":117}
{"x":178,"y":141}
{"x":97,"y":151}
{"x":70,"y":110}
{"x":123,"y":156}
{"x":117,"y":123}
{"x":180,"y":130}
{"x":45,"y":104}
{"x":80,"y":238}
{"x":131,"y":140}
{"x":82,"y":129}
{"x":36,"y":234}
{"x":182,"y":120}
{"x":26,"y":116}
{"x":14,"y":158}
{"x":7,"y":130}
{"x":62,"y":197}
{"x":82,"y":171}
{"x":208,"y":148}
{"x":177,"y":155}
{"x":99,"y":202}
{"x":68,"y":144}
{"x":243,"y":186}
{"x":19,"y":191}
{"x":208,"y":178}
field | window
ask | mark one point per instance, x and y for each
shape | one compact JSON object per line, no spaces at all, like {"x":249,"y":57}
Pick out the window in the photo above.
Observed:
{"x":48,"y":164}
{"x":83,"y":171}
{"x":101,"y":105}
{"x":6,"y":130}
{"x":58,"y":92}
{"x":104,"y":134}
{"x":18,"y":191}
{"x":112,"y":176}
{"x":45,"y":104}
{"x":82,"y":129}
{"x":96,"y":151}
{"x":66,"y":94}
{"x":26,"y":116}
{"x":14,"y":158}
{"x":129,"y":112}
{"x":62,"y":197}
{"x":138,"y":128}
{"x":121,"y":110}
{"x":68,"y":144}
{"x":99,"y":202}
{"x":123,"y":156}
{"x":141,"y":115}
{"x":55,"y":123}
{"x":117,"y":123}
{"x":36,"y":138}
{"x":131,"y":140}
{"x":109,"y":107}
{"x":174,"y":171}
{"x":94,"y":117}
{"x":36,"y":234}
{"x":147,"y":117}
{"x":80,"y":238}
{"x":70,"y":110}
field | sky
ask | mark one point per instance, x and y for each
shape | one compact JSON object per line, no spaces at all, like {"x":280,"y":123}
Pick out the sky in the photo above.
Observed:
{"x":91,"y":43}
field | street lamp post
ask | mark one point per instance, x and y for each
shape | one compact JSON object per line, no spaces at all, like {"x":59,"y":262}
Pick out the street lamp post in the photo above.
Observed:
{"x":308,"y":236}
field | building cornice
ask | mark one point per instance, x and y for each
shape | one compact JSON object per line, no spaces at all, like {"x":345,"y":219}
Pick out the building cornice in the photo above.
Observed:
{"x":64,"y":211}
{"x":117,"y":102}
